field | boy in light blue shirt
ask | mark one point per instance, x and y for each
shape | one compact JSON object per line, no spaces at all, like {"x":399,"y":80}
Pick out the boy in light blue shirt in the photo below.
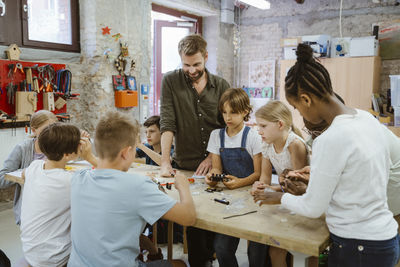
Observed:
{"x":111,"y":207}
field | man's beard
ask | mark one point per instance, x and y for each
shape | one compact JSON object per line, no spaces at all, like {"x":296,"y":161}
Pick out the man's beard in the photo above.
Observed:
{"x":195,"y":78}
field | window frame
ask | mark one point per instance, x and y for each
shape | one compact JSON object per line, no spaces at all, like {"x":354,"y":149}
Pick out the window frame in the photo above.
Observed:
{"x":18,"y":34}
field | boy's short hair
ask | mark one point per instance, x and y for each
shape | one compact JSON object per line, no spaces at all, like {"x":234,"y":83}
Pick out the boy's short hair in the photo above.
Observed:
{"x":114,"y":132}
{"x":58,"y":139}
{"x":153,"y":120}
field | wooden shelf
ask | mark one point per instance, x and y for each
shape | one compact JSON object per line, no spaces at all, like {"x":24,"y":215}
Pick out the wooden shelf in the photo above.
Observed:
{"x":355,"y":79}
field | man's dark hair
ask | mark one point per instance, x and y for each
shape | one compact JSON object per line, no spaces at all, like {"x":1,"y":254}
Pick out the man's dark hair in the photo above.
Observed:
{"x":58,"y":139}
{"x":152,"y":120}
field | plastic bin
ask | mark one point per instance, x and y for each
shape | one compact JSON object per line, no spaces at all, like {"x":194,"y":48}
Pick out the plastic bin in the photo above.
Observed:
{"x":395,"y":90}
{"x":126,"y":99}
{"x":396,"y":119}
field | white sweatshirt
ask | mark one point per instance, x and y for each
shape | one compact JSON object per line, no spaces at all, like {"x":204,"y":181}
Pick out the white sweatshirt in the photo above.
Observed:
{"x":349,"y":174}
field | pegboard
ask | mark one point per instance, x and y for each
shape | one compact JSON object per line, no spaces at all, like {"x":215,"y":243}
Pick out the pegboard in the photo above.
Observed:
{"x":18,"y":77}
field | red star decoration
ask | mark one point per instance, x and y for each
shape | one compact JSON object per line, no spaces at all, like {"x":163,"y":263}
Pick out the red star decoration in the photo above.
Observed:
{"x":106,"y":30}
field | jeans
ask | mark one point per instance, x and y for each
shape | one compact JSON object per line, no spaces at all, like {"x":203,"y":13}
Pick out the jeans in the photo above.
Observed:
{"x":226,"y":246}
{"x":346,"y":252}
{"x":200,"y":246}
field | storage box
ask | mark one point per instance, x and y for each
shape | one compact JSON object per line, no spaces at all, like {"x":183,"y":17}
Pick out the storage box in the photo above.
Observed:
{"x":126,"y":99}
{"x":25,"y":104}
{"x":395,"y":90}
{"x":396,"y":118}
{"x":364,"y":46}
{"x":321,"y":44}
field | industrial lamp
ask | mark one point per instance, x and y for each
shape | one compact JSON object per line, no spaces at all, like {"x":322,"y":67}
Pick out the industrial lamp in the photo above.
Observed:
{"x":261,"y":4}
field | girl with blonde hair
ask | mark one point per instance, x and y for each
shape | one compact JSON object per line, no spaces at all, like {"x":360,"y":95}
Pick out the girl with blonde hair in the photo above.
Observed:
{"x":23,"y":154}
{"x":283,"y":148}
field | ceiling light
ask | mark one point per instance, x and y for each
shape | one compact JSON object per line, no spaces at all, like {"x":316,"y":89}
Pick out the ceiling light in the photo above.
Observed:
{"x":261,"y":4}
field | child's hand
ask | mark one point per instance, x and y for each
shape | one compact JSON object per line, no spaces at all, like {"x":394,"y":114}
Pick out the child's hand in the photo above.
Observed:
{"x":23,"y":174}
{"x":85,"y":134}
{"x":85,"y":148}
{"x":268,"y":198}
{"x":208,"y":180}
{"x":294,"y":187}
{"x":233,"y":182}
{"x":257,"y":187}
{"x":181,"y":182}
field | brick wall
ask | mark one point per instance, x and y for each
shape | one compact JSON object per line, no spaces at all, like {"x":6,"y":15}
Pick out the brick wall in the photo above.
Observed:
{"x":261,"y":30}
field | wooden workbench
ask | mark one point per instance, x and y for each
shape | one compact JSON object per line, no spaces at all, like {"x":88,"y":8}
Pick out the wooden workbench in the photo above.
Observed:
{"x":271,"y":224}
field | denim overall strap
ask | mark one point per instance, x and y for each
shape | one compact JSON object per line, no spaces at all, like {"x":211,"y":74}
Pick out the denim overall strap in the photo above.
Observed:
{"x":222,"y":137}
{"x":236,"y":161}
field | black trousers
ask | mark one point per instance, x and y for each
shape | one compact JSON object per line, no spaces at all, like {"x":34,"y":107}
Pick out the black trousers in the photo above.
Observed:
{"x":4,"y":261}
{"x":200,"y":246}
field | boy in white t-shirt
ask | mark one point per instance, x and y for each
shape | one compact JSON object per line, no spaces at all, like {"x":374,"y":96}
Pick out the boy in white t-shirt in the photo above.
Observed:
{"x":45,"y":210}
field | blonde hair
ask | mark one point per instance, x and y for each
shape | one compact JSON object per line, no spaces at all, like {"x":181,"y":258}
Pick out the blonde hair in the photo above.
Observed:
{"x":275,"y":111}
{"x":114,"y":132}
{"x":238,"y":100}
{"x":41,"y":117}
{"x":192,"y":44}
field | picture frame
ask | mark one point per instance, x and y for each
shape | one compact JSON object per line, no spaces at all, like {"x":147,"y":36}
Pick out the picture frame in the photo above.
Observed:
{"x":118,"y":82}
{"x":131,"y":83}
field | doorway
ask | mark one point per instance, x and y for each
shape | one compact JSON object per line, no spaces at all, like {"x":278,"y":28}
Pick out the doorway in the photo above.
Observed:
{"x":169,"y":27}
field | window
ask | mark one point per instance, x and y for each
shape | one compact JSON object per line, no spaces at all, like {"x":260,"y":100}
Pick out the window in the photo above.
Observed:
{"x":46,"y":24}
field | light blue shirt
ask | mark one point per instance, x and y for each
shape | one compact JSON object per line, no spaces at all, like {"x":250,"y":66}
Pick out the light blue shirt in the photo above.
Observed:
{"x":109,"y":210}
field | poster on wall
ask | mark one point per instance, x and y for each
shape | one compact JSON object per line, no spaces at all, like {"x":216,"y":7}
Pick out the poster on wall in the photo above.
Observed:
{"x":261,"y":86}
{"x":262,"y":73}
{"x":389,"y":40}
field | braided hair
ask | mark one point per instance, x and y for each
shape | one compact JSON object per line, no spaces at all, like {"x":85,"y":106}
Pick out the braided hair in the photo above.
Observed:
{"x":307,"y":74}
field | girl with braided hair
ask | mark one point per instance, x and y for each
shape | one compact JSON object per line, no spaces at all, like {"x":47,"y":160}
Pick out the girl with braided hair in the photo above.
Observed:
{"x":349,"y":171}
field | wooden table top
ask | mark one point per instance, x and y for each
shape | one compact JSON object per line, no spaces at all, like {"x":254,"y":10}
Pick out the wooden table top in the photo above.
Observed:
{"x":270,"y":224}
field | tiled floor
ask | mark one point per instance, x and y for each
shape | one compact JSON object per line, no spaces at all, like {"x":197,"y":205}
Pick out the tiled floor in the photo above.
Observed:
{"x":10,"y":242}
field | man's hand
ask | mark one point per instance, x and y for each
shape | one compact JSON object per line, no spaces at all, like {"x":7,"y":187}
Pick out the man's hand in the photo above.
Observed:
{"x":166,"y":169}
{"x":205,"y":166}
{"x":85,"y":134}
{"x":257,"y":187}
{"x":268,"y":197}
{"x":233,"y":182}
{"x":181,"y":182}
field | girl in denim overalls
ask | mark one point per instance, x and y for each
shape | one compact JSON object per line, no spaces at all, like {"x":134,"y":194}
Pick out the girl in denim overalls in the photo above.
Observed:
{"x":236,"y":152}
{"x":283,"y":148}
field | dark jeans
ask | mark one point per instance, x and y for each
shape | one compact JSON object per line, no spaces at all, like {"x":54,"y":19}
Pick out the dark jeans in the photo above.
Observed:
{"x":200,"y":246}
{"x":226,"y":246}
{"x":346,"y":252}
{"x":4,"y":260}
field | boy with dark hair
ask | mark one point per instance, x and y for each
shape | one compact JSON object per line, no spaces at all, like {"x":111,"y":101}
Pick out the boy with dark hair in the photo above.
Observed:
{"x":45,"y":210}
{"x":110,"y":207}
{"x":151,"y":150}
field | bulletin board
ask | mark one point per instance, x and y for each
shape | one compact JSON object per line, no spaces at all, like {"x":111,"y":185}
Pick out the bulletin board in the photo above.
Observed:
{"x":16,"y":78}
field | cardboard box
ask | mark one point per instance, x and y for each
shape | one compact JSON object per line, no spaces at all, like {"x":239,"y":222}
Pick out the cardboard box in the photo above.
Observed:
{"x":289,"y":52}
{"x":290,"y":42}
{"x":126,"y":99}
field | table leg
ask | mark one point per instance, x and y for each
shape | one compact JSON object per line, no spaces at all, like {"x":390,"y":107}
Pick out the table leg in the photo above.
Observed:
{"x":155,"y":234}
{"x":170,"y":239}
{"x":299,"y":259}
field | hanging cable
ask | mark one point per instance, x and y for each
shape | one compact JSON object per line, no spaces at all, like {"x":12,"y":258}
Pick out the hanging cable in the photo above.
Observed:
{"x":340,"y":18}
